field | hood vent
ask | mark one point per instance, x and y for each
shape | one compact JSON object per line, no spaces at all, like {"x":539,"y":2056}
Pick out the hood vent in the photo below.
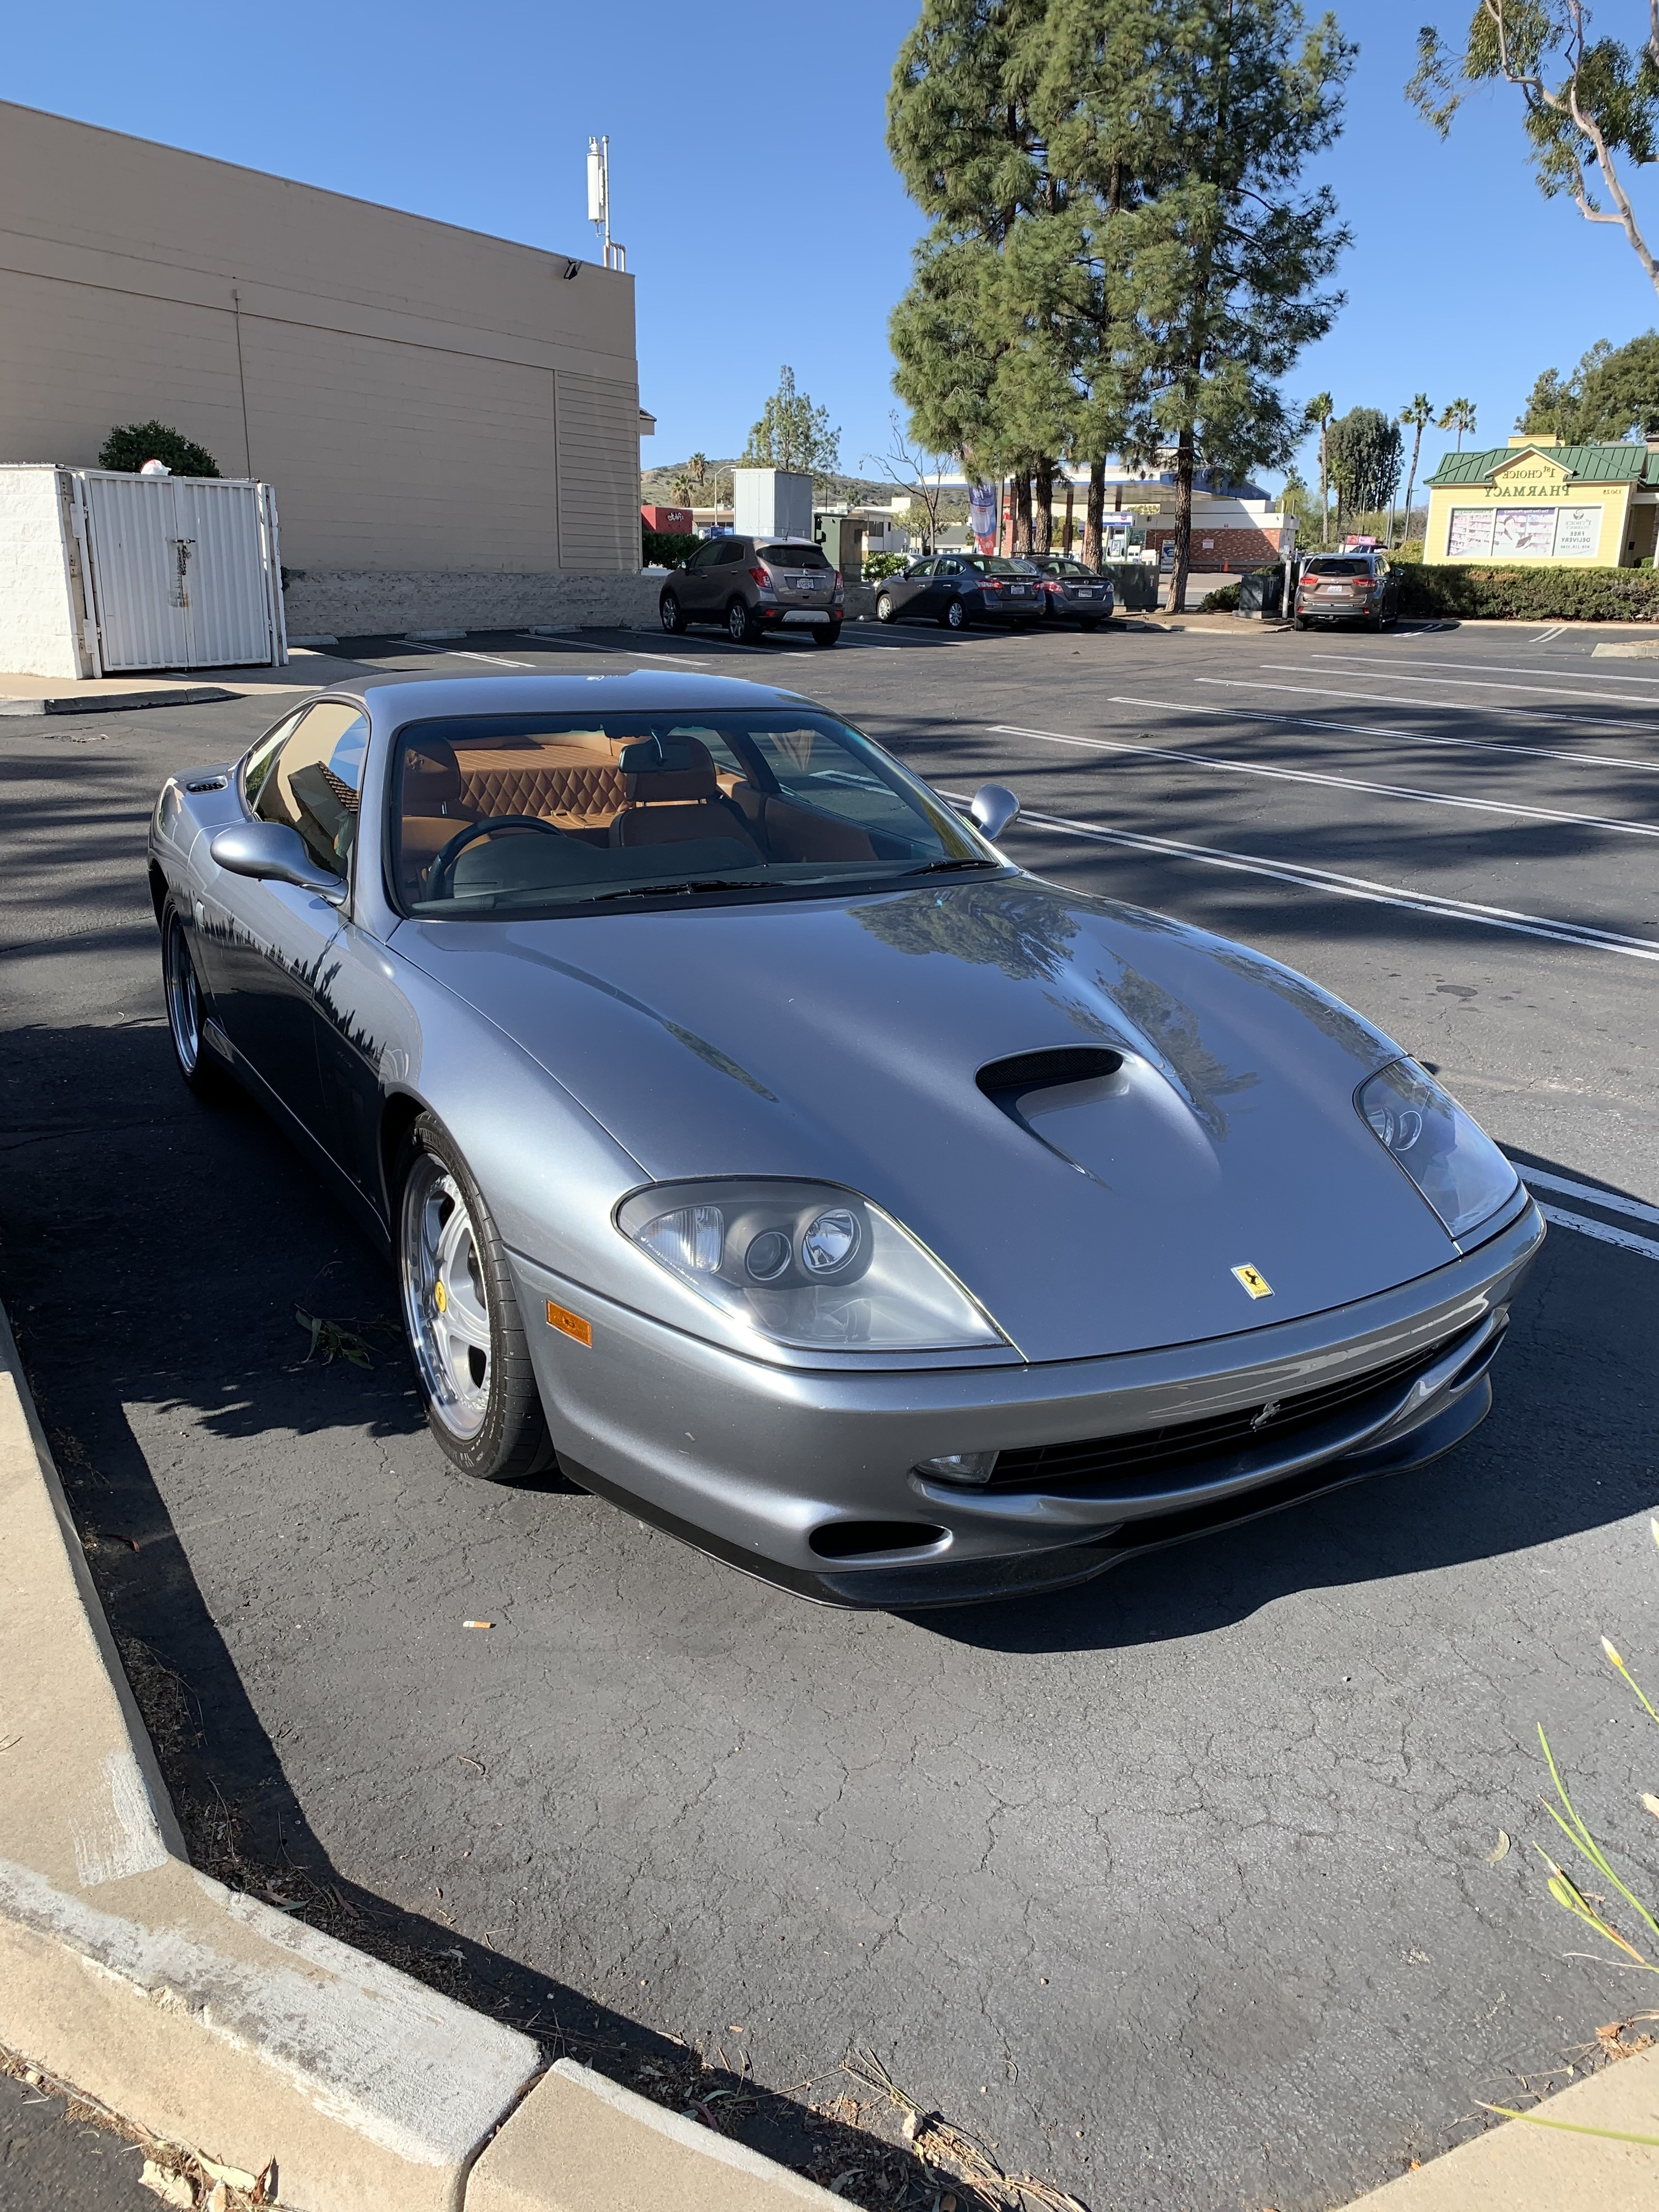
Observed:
{"x":208,"y":783}
{"x":1005,"y":1082}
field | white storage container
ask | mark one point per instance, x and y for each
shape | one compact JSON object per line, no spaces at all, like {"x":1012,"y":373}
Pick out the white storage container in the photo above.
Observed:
{"x":101,"y":573}
{"x":771,"y":503}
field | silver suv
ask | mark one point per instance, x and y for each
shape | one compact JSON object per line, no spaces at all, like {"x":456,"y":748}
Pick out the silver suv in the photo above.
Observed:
{"x":751,"y":585}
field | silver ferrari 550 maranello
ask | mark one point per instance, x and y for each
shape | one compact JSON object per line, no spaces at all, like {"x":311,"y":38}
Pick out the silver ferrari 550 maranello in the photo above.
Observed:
{"x":748,"y":1133}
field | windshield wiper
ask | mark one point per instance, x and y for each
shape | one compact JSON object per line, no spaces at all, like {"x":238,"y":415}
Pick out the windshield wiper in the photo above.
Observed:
{"x":668,"y":890}
{"x":935,"y":867}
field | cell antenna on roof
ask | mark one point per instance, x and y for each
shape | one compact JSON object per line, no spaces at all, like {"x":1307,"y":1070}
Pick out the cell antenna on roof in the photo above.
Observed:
{"x":599,"y":201}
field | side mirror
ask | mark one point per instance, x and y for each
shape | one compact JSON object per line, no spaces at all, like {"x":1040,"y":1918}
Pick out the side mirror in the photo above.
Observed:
{"x":994,"y":808}
{"x":272,"y":852}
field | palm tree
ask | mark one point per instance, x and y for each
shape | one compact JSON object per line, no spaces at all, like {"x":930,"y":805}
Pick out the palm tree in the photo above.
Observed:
{"x":1417,"y":418}
{"x":1459,"y":417}
{"x":1320,"y":408}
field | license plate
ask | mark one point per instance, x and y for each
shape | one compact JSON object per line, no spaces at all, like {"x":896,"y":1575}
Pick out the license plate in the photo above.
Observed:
{"x":1335,"y":591}
{"x":1088,"y":591}
{"x":1018,"y":591}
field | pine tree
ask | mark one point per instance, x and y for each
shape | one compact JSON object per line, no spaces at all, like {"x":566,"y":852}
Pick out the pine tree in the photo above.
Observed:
{"x":1225,"y":261}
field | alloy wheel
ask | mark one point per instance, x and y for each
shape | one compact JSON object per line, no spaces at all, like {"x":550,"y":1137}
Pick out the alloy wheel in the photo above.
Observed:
{"x":184,"y":999}
{"x":446,"y":1300}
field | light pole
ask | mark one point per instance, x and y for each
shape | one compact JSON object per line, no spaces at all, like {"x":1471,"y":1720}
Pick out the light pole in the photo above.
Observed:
{"x":599,"y":201}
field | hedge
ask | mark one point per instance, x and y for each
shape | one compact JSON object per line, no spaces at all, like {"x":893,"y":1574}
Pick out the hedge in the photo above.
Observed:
{"x":1531,"y":595}
{"x":663,"y":549}
{"x":129,"y":445}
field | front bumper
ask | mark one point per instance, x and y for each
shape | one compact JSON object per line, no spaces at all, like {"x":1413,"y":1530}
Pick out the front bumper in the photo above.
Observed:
{"x":807,"y":1478}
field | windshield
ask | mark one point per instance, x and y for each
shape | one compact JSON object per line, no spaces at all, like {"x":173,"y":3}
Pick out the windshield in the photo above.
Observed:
{"x":541,"y":813}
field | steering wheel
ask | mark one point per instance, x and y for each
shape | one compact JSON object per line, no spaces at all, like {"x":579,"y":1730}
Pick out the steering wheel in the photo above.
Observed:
{"x":439,"y":882}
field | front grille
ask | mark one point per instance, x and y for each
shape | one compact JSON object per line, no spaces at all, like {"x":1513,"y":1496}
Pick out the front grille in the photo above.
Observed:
{"x":1143,"y":1459}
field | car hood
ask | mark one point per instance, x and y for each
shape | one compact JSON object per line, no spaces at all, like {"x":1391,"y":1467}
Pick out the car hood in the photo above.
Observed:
{"x":840,"y":1039}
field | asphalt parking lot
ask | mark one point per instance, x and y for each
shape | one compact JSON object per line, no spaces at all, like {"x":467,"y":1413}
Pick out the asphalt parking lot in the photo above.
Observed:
{"x":1210,"y":1884}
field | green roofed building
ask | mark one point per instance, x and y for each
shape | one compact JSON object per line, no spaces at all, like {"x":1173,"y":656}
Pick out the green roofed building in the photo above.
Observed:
{"x":1572,"y":507}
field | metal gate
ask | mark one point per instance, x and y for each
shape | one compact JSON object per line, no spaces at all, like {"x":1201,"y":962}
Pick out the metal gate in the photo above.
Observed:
{"x":184,"y":572}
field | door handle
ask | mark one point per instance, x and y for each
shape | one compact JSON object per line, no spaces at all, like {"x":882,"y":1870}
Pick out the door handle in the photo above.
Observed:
{"x":182,"y":549}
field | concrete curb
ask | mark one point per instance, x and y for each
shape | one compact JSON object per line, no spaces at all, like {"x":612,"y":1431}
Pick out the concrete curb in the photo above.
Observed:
{"x":119,"y":702}
{"x":1523,"y":2166}
{"x":217,"y":2023}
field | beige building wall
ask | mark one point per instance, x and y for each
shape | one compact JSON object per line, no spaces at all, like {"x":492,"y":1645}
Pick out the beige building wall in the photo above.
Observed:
{"x":425,"y":399}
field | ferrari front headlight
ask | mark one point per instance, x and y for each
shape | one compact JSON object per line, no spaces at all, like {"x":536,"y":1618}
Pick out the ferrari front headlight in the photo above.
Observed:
{"x":1450,"y":1159}
{"x":806,"y":1264}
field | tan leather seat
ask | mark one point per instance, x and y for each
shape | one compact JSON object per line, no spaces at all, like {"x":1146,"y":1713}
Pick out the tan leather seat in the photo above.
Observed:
{"x":433,"y":808}
{"x":672,"y":796}
{"x":577,"y":785}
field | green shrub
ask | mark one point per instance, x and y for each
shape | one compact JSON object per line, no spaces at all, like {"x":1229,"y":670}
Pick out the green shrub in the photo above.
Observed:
{"x":1531,"y":595}
{"x":1224,"y":602}
{"x":877,"y":565}
{"x":1407,"y":553}
{"x":665,"y":548}
{"x":129,"y":445}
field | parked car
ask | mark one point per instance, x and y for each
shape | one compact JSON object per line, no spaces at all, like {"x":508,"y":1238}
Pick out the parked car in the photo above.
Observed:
{"x":1073,"y":592}
{"x":1347,"y":588}
{"x":747,"y":586}
{"x":959,"y":588}
{"x":751,"y":1137}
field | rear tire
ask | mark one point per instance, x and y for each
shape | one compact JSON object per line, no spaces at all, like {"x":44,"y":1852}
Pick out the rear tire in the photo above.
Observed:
{"x":955,"y":616}
{"x":741,"y":624}
{"x":186,"y":1004}
{"x":461,"y":1322}
{"x":827,"y":633}
{"x":1298,"y":621}
{"x":1087,"y":626}
{"x":672,"y":613}
{"x":885,"y":611}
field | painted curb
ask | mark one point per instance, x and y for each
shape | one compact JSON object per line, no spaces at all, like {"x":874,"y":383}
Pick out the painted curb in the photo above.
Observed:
{"x":218,"y":2023}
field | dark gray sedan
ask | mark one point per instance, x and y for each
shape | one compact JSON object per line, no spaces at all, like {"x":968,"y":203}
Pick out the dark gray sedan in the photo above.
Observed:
{"x":751,"y":1137}
{"x":1073,"y":592}
{"x":955,"y":589}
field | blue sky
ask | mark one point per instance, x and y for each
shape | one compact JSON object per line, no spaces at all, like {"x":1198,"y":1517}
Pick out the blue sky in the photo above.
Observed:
{"x":1461,"y":280}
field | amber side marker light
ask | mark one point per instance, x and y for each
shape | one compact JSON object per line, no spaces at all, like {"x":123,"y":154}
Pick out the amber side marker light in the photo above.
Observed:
{"x":569,"y":1324}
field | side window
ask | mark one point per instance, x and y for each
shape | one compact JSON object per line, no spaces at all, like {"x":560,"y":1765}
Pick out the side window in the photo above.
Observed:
{"x":258,"y":765}
{"x":734,"y":551}
{"x":314,"y":778}
{"x":706,"y":555}
{"x":925,"y":569}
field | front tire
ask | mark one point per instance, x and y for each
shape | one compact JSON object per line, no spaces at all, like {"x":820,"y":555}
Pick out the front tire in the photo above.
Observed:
{"x":187,"y":1011}
{"x":672,"y":613}
{"x":741,"y":624}
{"x":460,"y":1317}
{"x":955,"y":616}
{"x":885,"y":611}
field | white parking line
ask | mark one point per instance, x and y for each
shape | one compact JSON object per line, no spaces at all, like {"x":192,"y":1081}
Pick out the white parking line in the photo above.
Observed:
{"x":1337,"y":886}
{"x":1602,"y":1231}
{"x":1385,"y":731}
{"x":1613,"y":1201}
{"x":1497,"y":668}
{"x":1337,"y":783}
{"x":451,"y":653}
{"x":1440,"y":706}
{"x":1457,"y":682}
{"x":1544,"y":636}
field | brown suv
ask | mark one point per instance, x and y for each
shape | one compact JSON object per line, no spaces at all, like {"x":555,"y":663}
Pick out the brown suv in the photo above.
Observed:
{"x":1347,"y":588}
{"x":750,"y":585}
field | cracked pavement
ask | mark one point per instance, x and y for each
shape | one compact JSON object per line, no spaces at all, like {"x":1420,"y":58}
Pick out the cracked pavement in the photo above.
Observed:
{"x":1180,"y":1887}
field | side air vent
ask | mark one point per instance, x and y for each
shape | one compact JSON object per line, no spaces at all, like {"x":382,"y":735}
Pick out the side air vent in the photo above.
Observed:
{"x":208,"y":783}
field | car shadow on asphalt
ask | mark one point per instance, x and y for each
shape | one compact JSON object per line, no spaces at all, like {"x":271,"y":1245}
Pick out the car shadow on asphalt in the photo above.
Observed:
{"x":152,"y":1255}
{"x":1567,"y":1448}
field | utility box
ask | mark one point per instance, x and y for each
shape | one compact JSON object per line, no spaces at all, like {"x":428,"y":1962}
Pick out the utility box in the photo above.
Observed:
{"x":771,"y":503}
{"x":101,"y":572}
{"x":842,"y":537}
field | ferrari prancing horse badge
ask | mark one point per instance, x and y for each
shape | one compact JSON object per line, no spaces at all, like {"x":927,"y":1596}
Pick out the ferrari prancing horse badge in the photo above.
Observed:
{"x":1253,"y":1281}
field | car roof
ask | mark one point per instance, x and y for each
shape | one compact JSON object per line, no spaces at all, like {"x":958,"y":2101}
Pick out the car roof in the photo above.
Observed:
{"x":392,"y":699}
